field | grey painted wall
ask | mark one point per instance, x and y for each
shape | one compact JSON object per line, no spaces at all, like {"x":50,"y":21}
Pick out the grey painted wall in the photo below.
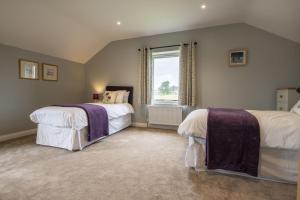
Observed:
{"x":18,"y":98}
{"x":273,"y":62}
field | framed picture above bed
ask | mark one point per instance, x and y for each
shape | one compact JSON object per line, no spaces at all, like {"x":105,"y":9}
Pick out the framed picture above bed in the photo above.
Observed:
{"x":28,"y":69}
{"x":238,"y":57}
{"x":50,"y":72}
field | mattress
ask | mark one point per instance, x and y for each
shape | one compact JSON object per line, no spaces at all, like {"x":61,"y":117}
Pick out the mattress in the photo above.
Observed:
{"x":278,"y":129}
{"x":274,"y":164}
{"x":75,"y":118}
{"x":72,"y":139}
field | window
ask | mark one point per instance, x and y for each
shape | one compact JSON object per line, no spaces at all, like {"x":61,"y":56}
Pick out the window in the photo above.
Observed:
{"x":165,"y":77}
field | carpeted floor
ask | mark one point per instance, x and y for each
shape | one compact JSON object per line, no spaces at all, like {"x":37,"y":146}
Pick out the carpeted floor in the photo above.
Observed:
{"x":134,"y":164}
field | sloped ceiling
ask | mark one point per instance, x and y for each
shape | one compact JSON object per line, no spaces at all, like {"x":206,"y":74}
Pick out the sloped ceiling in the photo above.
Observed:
{"x":77,"y":29}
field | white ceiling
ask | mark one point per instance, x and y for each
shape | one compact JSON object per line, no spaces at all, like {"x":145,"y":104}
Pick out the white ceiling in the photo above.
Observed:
{"x":77,"y":29}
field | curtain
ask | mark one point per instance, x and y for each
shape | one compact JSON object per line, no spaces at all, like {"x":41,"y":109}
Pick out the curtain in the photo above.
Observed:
{"x":146,"y":72}
{"x":187,"y":83}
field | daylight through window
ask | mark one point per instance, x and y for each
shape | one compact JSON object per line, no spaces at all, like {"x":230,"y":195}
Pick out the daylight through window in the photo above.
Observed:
{"x":165,"y":77}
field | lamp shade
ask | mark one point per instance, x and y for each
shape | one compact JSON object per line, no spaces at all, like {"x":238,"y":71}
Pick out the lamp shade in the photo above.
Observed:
{"x":95,"y":96}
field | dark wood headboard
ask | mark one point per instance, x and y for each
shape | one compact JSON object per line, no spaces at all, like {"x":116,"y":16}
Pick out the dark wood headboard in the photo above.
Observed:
{"x":127,"y":88}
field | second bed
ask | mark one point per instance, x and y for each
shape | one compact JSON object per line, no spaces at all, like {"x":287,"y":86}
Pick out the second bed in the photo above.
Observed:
{"x":280,"y":142}
{"x":67,"y":127}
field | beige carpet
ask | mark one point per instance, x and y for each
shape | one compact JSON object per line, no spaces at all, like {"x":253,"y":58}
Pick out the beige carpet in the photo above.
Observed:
{"x":134,"y":164}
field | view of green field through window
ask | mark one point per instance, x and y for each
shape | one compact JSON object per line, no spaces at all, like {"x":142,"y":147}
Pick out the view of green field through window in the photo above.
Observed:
{"x":166,"y":78}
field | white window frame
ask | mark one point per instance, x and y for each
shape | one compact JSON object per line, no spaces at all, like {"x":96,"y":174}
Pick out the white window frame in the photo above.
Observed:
{"x":163,"y":54}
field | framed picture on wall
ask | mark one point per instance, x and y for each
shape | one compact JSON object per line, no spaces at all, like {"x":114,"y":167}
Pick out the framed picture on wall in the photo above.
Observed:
{"x":50,"y":72}
{"x":238,"y":57}
{"x":28,"y":69}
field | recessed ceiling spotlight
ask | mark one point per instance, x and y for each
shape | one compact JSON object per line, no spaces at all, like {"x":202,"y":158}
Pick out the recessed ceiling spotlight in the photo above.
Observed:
{"x":118,"y":23}
{"x":203,"y":6}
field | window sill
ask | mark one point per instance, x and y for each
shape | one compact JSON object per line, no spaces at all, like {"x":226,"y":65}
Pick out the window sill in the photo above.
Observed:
{"x":165,"y":105}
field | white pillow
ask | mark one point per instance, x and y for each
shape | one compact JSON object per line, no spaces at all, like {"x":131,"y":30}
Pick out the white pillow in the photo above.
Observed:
{"x":126,"y":96}
{"x":120,"y":96}
{"x":109,"y":97}
{"x":296,"y":108}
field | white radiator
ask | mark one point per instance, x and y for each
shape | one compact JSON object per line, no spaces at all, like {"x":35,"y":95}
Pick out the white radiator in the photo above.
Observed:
{"x":165,"y":115}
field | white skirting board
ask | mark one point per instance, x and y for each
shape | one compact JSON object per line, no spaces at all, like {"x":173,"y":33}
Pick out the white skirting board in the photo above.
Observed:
{"x":139,"y":124}
{"x":145,"y":125}
{"x":167,"y":127}
{"x":17,"y":135}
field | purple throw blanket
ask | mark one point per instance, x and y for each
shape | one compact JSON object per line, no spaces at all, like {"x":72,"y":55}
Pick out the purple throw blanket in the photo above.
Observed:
{"x":232,"y":141}
{"x":97,"y":120}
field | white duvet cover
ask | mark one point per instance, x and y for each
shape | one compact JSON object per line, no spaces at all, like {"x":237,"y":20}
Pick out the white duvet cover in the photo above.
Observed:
{"x":277,"y":129}
{"x":76,"y":118}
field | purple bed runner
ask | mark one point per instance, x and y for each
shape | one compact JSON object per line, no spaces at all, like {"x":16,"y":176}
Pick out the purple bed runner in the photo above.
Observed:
{"x":97,"y":120}
{"x":232,"y":141}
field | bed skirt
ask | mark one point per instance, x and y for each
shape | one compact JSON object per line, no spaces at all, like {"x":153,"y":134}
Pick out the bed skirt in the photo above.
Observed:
{"x":71,"y":139}
{"x":274,"y":164}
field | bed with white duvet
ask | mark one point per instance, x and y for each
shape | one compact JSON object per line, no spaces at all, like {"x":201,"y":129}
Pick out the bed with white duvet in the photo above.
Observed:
{"x":67,"y":127}
{"x":280,"y":142}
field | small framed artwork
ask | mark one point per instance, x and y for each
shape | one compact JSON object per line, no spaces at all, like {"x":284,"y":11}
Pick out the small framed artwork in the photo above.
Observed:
{"x":28,"y":69}
{"x":238,"y":57}
{"x":50,"y":72}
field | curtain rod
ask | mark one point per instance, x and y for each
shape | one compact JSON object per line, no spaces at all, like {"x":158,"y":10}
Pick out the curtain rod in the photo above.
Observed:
{"x":176,"y":45}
